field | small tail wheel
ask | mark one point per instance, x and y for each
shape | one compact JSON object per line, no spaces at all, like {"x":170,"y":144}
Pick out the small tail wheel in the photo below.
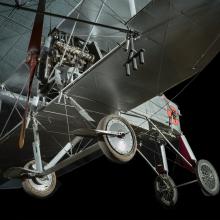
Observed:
{"x":207,"y":178}
{"x":117,"y":148}
{"x":166,"y":191}
{"x":39,"y":187}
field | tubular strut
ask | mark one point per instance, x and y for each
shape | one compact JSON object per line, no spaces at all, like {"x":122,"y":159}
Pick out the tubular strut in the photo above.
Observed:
{"x":171,"y":145}
{"x":84,"y":114}
{"x":55,"y":163}
{"x":134,"y":33}
{"x":153,"y":168}
{"x":151,"y":165}
{"x":36,"y":147}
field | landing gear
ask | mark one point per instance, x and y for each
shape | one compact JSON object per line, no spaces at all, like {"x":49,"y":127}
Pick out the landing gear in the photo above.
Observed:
{"x":207,"y":177}
{"x":166,"y":191}
{"x":39,"y":187}
{"x":118,"y":148}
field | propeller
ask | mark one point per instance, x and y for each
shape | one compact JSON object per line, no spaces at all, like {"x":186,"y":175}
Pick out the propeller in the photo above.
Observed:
{"x":33,"y":53}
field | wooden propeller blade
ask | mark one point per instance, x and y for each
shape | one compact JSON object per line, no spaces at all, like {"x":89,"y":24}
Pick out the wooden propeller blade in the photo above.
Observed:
{"x":22,"y":134}
{"x":32,"y":61}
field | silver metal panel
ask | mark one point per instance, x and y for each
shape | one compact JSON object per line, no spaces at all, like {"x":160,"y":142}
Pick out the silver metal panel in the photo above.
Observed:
{"x":136,"y":121}
{"x":177,"y":46}
{"x":156,"y":109}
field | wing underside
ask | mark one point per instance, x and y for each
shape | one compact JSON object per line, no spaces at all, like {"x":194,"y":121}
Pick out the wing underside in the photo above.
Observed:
{"x":180,"y":39}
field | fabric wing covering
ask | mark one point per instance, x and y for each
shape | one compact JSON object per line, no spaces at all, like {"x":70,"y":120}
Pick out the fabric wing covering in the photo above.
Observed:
{"x":180,"y":39}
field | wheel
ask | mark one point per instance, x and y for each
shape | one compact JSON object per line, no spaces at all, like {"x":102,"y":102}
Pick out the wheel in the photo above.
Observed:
{"x":205,"y":193}
{"x":166,"y":191}
{"x":207,"y":178}
{"x":118,"y":149}
{"x":39,"y":187}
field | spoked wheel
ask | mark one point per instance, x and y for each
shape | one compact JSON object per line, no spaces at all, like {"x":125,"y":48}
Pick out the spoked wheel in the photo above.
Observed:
{"x":166,"y":191}
{"x":117,"y":148}
{"x":39,"y":187}
{"x":207,"y":177}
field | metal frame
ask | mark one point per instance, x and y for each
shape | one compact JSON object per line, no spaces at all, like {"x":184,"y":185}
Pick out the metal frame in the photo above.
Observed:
{"x":163,"y":153}
{"x":164,"y":137}
{"x":36,"y":147}
{"x":40,"y":169}
{"x":149,"y":163}
{"x":165,"y":164}
{"x":170,"y":144}
{"x":69,"y":146}
{"x":134,"y":33}
{"x":164,"y":158}
{"x":56,"y":164}
{"x":82,"y":112}
{"x":188,"y":148}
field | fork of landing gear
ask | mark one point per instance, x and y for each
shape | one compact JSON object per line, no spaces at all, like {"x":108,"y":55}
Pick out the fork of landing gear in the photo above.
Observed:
{"x":117,"y":141}
{"x":207,"y":177}
{"x":165,"y":188}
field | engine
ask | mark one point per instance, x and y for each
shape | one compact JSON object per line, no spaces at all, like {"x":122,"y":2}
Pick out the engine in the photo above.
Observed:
{"x":63,"y":59}
{"x":72,"y":51}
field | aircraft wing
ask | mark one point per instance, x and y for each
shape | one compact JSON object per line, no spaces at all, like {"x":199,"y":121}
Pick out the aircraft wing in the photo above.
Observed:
{"x":180,"y":39}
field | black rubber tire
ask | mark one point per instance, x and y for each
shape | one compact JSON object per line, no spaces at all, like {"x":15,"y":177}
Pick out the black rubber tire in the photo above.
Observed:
{"x":106,"y":147}
{"x":29,"y":184}
{"x":161,"y":188}
{"x":213,"y":179}
{"x":204,"y":192}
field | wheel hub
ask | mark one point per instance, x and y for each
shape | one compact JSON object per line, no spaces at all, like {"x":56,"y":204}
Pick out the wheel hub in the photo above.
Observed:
{"x":122,"y":144}
{"x":46,"y":180}
{"x":207,"y":176}
{"x":166,"y":190}
{"x":40,"y":183}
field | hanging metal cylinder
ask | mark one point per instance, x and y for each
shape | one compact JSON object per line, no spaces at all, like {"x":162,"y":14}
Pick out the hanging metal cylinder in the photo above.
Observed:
{"x":134,"y":63}
{"x":128,"y":70}
{"x":127,"y":44}
{"x":141,"y":56}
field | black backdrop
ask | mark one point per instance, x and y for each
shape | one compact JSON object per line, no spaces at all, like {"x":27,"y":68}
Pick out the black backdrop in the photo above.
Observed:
{"x":104,"y":190}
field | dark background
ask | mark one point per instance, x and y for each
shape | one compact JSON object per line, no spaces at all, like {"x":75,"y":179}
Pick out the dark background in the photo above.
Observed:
{"x":104,"y":190}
